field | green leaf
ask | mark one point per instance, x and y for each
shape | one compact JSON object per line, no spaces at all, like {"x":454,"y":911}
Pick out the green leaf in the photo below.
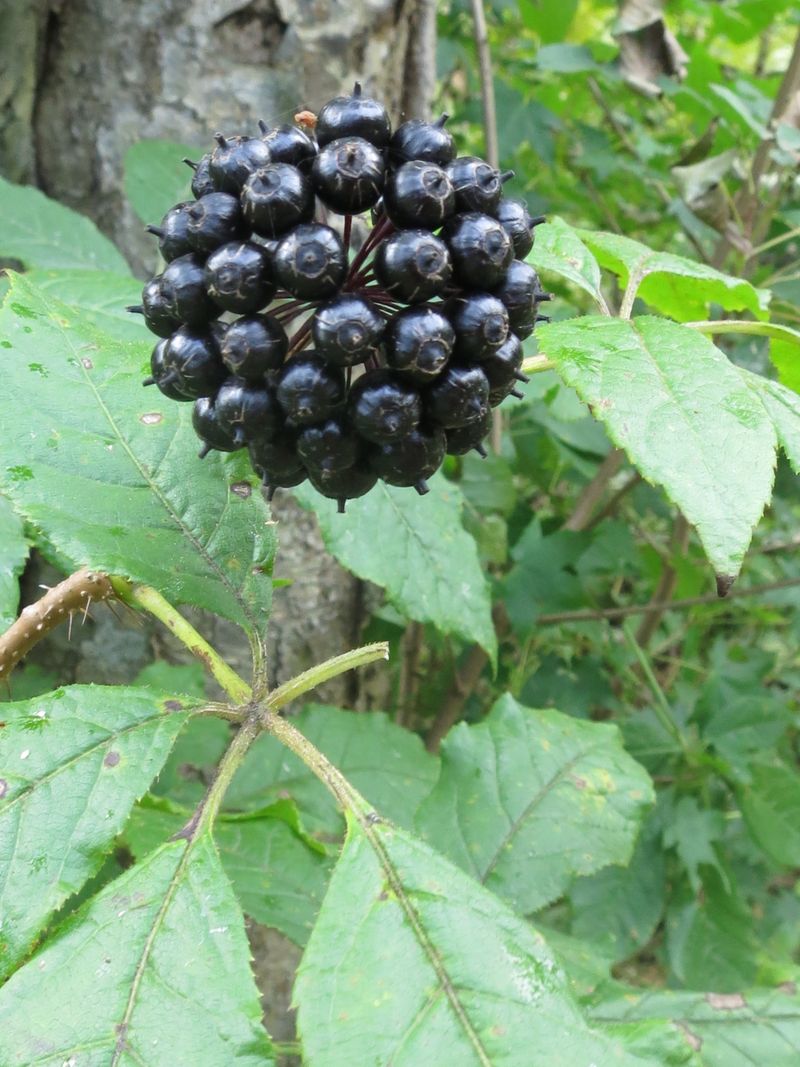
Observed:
{"x":40,"y":232}
{"x":73,"y":762}
{"x":154,"y":969}
{"x":565,"y":58}
{"x":417,"y":550}
{"x":759,"y":1027}
{"x":13,"y":554}
{"x":413,"y":963}
{"x":549,"y":19}
{"x":109,"y":470}
{"x":156,"y":178}
{"x":785,"y":356}
{"x":559,"y":249}
{"x":528,"y":799}
{"x":782,"y":406}
{"x":770,"y":804}
{"x":683,"y":414}
{"x":677,"y":286}
{"x":102,"y":298}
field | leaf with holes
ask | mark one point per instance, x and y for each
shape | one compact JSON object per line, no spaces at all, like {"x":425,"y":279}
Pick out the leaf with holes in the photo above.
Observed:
{"x":411,"y":963}
{"x":683,"y":414}
{"x":158,"y":967}
{"x":72,"y":764}
{"x":527,"y":800}
{"x":109,"y":470}
{"x":13,"y":554}
{"x":559,"y":249}
{"x":417,"y":550}
{"x":40,"y":232}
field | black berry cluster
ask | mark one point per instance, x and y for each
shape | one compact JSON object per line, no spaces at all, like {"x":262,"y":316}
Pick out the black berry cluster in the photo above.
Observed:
{"x":331,"y":363}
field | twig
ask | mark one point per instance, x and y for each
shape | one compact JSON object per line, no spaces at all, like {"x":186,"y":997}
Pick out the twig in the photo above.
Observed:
{"x":75,"y":593}
{"x":464,"y":682}
{"x":660,"y":706}
{"x":613,"y":503}
{"x":592,"y":493}
{"x":409,"y":666}
{"x":487,"y":83}
{"x":666,"y":583}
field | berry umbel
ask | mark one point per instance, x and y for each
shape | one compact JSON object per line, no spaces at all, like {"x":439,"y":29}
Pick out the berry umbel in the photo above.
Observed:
{"x":333,"y":352}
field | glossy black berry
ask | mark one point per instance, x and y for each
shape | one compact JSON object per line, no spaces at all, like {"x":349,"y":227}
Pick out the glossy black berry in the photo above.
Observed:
{"x":503,"y":369}
{"x":462,"y":439}
{"x":516,"y":220}
{"x":520,"y":291}
{"x":348,"y":175}
{"x":214,"y":220}
{"x":173,"y":232}
{"x":234,"y":160}
{"x":382,"y":407}
{"x":345,"y":484}
{"x":288,"y":144}
{"x":411,"y":459}
{"x":310,"y":262}
{"x":276,"y":463}
{"x":183,"y":285}
{"x":156,"y":307}
{"x":478,"y":186}
{"x":330,"y":445}
{"x":201,"y":179}
{"x":162,"y":375}
{"x":253,"y":346}
{"x":459,"y":396}
{"x":248,"y":412}
{"x":209,"y":430}
{"x":480,"y":250}
{"x":193,"y":356}
{"x":427,"y":141}
{"x":309,"y":389}
{"x":419,"y":195}
{"x":419,"y":342}
{"x":413,"y":265}
{"x":238,"y":278}
{"x":276,"y":198}
{"x":347,"y":330}
{"x":353,"y":116}
{"x":480,"y":322}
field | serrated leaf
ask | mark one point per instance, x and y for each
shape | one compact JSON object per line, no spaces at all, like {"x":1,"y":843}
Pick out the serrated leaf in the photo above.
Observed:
{"x":782,"y":406}
{"x":675,"y":285}
{"x":529,"y":799}
{"x":156,"y":178}
{"x":102,"y":297}
{"x":770,"y":804}
{"x":559,"y":249}
{"x":683,"y":414}
{"x":13,"y":554}
{"x":154,"y":969}
{"x":412,"y":963}
{"x":72,"y":764}
{"x":417,"y":550}
{"x":109,"y":470}
{"x":40,"y":232}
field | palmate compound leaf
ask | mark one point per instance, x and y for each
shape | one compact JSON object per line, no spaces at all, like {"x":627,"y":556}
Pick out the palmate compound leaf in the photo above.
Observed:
{"x":417,"y":550}
{"x":411,"y":962}
{"x":109,"y":470}
{"x":152,"y":971}
{"x":689,"y":420}
{"x":72,"y":764}
{"x":13,"y":553}
{"x":529,"y":799}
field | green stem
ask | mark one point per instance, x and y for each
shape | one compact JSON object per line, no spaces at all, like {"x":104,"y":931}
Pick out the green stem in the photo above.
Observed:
{"x":537,"y":364}
{"x":322,"y":672}
{"x":747,"y":326}
{"x":150,"y":600}
{"x":661,"y":707}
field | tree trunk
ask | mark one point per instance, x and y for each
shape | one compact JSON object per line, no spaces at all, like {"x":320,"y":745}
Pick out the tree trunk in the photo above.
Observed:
{"x":83,"y":80}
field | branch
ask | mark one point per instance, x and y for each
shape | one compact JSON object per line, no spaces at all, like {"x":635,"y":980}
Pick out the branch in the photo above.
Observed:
{"x":593,"y":492}
{"x":666,"y":584}
{"x":487,"y":83}
{"x":75,"y":593}
{"x":464,"y":681}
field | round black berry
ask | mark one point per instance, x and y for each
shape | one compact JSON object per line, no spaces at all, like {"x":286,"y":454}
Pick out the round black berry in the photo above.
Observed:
{"x":238,"y":278}
{"x":209,"y":430}
{"x":194,"y":357}
{"x":459,"y":396}
{"x":503,"y":369}
{"x":248,"y":412}
{"x":310,"y":262}
{"x":427,"y":141}
{"x":480,"y":250}
{"x":516,"y":220}
{"x":173,"y":232}
{"x":419,"y":194}
{"x":214,"y":220}
{"x":347,"y":330}
{"x":276,"y":463}
{"x":330,"y":445}
{"x":309,"y":389}
{"x":234,"y":160}
{"x":183,"y":286}
{"x":480,"y":322}
{"x":419,"y":342}
{"x":478,"y":186}
{"x":276,"y":198}
{"x":353,"y":116}
{"x":288,"y":144}
{"x":348,"y":175}
{"x":411,"y":459}
{"x":157,"y":309}
{"x":345,"y":484}
{"x":201,"y":179}
{"x":413,"y":265}
{"x":520,"y":291}
{"x":253,"y":346}
{"x":382,"y":407}
{"x":462,"y":439}
{"x":162,"y":375}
